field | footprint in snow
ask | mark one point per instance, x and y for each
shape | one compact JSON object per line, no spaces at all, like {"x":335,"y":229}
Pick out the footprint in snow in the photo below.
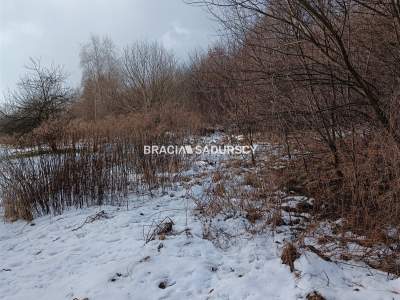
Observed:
{"x":115,"y":277}
{"x":165,"y":283}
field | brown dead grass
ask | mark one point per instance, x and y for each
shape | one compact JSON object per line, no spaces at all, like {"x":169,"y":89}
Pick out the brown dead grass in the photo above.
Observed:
{"x":85,"y":163}
{"x":289,"y":255}
{"x":314,"y":296}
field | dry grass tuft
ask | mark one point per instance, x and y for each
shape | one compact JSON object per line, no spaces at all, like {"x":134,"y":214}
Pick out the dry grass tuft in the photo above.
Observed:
{"x":253,"y":214}
{"x":252,"y":180}
{"x":289,"y":255}
{"x":314,"y":296}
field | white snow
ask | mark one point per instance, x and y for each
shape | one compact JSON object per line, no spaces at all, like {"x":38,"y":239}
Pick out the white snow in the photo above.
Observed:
{"x":107,"y":259}
{"x":58,"y":258}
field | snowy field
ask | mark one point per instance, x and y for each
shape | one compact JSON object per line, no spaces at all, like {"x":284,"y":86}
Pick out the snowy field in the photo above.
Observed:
{"x":78,"y":256}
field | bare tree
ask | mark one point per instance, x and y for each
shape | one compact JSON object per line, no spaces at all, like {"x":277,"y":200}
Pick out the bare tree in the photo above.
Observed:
{"x":41,"y":94}
{"x":100,"y":77}
{"x":150,"y":75}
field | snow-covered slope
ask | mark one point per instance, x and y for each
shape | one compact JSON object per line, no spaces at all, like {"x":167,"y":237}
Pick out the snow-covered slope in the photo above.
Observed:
{"x":78,"y":256}
{"x":108,"y":259}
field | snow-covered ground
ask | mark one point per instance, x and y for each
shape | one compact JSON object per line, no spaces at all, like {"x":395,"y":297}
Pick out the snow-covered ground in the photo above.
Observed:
{"x":73,"y":256}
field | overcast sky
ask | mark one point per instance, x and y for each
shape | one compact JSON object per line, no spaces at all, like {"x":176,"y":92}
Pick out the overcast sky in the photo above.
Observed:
{"x":54,"y":30}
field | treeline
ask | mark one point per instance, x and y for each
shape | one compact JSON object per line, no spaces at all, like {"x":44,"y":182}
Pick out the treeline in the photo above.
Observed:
{"x":141,"y":78}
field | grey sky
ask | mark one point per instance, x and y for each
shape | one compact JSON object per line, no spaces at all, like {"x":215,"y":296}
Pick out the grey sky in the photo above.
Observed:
{"x":54,"y":30}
